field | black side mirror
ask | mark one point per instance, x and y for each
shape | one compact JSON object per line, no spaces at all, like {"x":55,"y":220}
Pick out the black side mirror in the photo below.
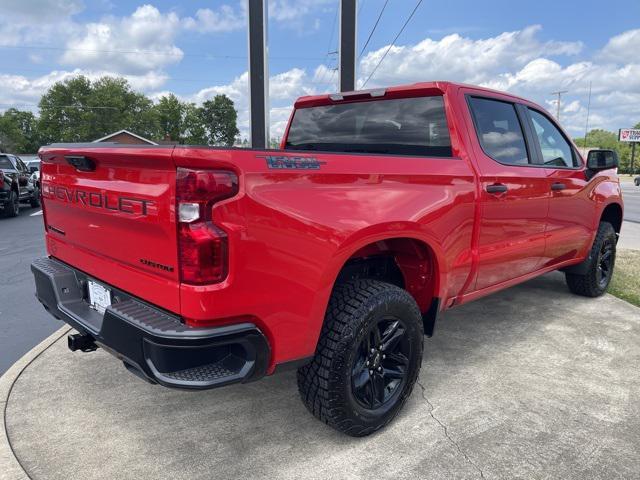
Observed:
{"x":602,"y":159}
{"x":33,"y":169}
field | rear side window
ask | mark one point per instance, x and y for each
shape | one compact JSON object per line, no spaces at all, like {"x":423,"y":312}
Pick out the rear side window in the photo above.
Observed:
{"x":5,"y":163}
{"x":556,"y":151}
{"x":406,"y":126}
{"x":499,"y":131}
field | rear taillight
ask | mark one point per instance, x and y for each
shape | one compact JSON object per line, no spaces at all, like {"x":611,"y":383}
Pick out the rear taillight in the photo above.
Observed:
{"x":202,"y":246}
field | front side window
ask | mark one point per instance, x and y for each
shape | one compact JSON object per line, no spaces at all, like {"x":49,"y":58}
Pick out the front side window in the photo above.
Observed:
{"x":556,"y":150}
{"x":499,"y":131}
{"x":21,"y":166}
{"x":405,"y":126}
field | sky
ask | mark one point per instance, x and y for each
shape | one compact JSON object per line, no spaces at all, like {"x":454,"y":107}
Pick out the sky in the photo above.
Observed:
{"x":197,"y":49}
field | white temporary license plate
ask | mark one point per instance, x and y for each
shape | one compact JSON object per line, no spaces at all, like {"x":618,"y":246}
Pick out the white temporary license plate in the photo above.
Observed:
{"x":99,"y":296}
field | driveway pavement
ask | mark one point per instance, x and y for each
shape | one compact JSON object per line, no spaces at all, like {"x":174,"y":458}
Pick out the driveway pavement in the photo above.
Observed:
{"x":532,"y":382}
{"x":629,"y":236}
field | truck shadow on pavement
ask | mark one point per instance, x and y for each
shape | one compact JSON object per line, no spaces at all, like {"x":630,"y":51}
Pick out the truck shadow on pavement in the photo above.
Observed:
{"x":530,"y":382}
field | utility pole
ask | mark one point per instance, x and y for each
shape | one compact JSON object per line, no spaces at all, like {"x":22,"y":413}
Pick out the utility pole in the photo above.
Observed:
{"x":586,"y":125}
{"x":347,"y":45}
{"x":258,"y":73}
{"x":559,"y":94}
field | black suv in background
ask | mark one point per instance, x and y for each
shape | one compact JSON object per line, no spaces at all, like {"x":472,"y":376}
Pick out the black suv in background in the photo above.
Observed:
{"x":14,"y":185}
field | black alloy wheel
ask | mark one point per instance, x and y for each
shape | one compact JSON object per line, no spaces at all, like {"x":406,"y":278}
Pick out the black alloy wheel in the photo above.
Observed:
{"x":605,"y":263}
{"x":380,"y":369}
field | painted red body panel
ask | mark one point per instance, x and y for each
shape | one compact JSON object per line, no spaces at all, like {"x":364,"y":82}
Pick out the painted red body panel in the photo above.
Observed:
{"x":291,"y":231}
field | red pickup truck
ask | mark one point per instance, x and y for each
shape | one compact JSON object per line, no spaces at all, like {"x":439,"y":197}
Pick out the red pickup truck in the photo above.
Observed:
{"x":199,"y":267}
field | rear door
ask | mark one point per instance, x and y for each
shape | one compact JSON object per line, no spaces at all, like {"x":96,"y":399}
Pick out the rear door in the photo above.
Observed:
{"x":571,"y":211}
{"x":515,"y":193}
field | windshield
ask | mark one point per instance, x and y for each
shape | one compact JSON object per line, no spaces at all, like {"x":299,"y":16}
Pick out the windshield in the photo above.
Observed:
{"x":406,"y":126}
{"x":5,"y":163}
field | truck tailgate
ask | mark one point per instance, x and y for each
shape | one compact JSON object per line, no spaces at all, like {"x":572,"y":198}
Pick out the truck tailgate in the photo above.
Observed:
{"x":110,"y":212}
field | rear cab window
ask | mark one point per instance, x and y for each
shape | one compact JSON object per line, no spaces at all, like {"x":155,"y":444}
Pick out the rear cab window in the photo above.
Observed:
{"x":5,"y":163}
{"x":404,"y":126}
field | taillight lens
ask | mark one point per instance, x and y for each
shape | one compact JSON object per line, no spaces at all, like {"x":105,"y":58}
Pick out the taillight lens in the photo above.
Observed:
{"x":202,"y":246}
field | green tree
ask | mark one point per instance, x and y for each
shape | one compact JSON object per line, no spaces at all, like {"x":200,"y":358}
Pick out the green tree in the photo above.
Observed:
{"x":171,"y":113}
{"x":19,"y":131}
{"x":220,"y":118}
{"x":183,"y":122}
{"x":194,"y":130}
{"x":79,"y":110}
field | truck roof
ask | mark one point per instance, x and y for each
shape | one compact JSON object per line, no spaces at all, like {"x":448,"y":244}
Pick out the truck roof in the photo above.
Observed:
{"x":432,"y":87}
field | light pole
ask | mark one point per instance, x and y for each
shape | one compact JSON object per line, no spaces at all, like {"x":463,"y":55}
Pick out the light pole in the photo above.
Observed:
{"x":258,"y":73}
{"x":347,"y":47}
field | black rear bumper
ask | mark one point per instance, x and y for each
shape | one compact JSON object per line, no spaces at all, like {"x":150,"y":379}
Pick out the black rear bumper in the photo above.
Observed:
{"x":152,"y":342}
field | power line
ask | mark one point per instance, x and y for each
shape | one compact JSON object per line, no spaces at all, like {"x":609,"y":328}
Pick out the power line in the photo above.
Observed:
{"x":150,"y":52}
{"x":81,"y":107}
{"x":329,"y":52}
{"x":373,"y":29}
{"x":392,"y":43}
{"x":206,"y":80}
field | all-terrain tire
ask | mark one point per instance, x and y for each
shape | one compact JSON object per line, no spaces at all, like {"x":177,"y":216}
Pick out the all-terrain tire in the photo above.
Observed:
{"x":595,"y":281}
{"x":326,"y":384}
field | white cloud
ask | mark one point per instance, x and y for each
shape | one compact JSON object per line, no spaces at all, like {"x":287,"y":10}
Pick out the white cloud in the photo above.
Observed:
{"x":137,"y":44}
{"x":622,"y":48}
{"x":36,"y":21}
{"x":225,"y":19}
{"x":459,"y":57}
{"x":292,"y":10}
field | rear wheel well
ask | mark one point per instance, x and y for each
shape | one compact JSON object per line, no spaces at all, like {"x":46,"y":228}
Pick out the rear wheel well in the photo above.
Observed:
{"x":405,"y":262}
{"x":613,"y":214}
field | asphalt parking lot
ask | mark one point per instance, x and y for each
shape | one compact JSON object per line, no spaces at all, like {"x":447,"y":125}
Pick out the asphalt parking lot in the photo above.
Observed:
{"x":532,"y":383}
{"x":631,"y":201}
{"x":23,"y":321}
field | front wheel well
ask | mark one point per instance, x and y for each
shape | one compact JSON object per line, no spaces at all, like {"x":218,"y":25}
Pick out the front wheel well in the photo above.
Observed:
{"x":613,"y":214}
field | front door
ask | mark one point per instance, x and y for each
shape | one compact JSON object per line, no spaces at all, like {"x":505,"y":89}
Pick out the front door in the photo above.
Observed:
{"x":515,"y":193}
{"x":570,"y":221}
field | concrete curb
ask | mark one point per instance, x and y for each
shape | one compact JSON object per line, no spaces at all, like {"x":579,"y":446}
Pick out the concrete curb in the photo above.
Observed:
{"x":9,"y":464}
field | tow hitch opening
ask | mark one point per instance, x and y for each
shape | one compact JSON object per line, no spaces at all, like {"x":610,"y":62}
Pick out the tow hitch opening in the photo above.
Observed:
{"x":78,"y":341}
